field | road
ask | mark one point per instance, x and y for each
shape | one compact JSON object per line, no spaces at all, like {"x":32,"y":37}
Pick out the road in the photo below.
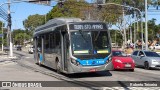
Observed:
{"x":32,"y":72}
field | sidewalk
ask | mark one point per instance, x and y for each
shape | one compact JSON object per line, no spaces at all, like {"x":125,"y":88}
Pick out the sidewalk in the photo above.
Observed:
{"x":5,"y":59}
{"x":4,"y":55}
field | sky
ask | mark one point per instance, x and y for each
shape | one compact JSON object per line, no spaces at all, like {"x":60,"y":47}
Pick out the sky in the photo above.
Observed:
{"x":21,"y":11}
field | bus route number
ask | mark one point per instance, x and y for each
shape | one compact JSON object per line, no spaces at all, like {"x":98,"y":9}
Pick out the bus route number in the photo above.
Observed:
{"x":88,"y":26}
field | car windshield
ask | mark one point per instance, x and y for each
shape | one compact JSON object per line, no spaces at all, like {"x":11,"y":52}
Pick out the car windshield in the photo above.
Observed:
{"x":152,"y":54}
{"x":118,"y":53}
{"x":89,"y":42}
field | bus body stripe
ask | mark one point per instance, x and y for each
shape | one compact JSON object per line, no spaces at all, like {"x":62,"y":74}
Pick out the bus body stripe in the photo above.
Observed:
{"x":92,"y":62}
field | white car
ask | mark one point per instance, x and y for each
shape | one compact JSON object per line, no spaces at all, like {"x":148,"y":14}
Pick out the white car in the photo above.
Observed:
{"x":30,"y":50}
{"x":156,"y":47}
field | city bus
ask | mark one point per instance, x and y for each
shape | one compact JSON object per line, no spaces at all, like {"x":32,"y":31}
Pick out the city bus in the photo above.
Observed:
{"x":72,"y":45}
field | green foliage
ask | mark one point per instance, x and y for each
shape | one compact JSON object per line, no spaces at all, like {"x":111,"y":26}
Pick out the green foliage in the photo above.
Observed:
{"x":33,"y":21}
{"x":19,"y":36}
{"x":71,"y":8}
{"x":153,"y":29}
{"x":83,"y":10}
{"x":116,"y":37}
{"x":1,"y":23}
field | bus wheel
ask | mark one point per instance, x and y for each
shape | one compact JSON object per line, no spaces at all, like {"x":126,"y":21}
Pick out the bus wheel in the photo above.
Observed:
{"x":57,"y":67}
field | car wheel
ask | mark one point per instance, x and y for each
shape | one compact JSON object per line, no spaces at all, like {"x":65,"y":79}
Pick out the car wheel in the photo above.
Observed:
{"x":146,"y":65}
{"x":154,"y":48}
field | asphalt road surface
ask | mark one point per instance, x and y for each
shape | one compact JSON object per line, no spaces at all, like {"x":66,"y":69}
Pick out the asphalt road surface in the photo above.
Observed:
{"x":114,"y":79}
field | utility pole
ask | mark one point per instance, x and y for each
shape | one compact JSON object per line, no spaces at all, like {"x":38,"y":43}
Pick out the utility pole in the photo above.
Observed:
{"x":9,"y":30}
{"x":146,"y":27}
{"x":2,"y":36}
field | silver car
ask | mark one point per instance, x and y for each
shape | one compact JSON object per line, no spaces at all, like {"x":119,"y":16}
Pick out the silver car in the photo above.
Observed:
{"x":148,"y":59}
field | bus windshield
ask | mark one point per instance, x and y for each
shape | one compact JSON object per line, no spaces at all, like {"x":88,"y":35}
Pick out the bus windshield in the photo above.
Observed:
{"x":89,"y":42}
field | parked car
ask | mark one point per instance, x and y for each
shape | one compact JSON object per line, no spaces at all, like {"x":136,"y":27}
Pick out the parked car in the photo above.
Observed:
{"x":147,"y":59}
{"x":5,"y":48}
{"x":121,"y":60}
{"x":19,"y":48}
{"x":30,"y":50}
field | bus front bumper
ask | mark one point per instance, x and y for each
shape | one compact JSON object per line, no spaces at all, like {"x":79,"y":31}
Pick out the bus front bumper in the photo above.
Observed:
{"x":82,"y":69}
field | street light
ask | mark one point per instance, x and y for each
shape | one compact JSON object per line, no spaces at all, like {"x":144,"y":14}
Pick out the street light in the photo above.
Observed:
{"x":146,"y":27}
{"x":2,"y":22}
{"x":9,"y":27}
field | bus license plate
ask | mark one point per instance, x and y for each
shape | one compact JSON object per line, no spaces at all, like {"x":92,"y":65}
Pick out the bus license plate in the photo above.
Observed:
{"x":93,"y":70}
{"x":127,"y":65}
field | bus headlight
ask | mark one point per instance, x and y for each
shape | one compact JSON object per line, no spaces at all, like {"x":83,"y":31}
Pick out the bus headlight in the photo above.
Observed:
{"x":75,"y":62}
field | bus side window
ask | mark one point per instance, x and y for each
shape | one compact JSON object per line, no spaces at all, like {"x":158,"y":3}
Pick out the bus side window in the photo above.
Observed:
{"x":46,"y":42}
{"x":57,"y":43}
{"x":52,"y":42}
{"x":39,"y":44}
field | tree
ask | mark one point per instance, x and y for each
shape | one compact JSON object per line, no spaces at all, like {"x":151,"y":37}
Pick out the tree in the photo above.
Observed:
{"x":116,"y":37}
{"x":152,"y":29}
{"x":19,"y":36}
{"x":33,"y":21}
{"x":70,"y":8}
{"x":4,"y":34}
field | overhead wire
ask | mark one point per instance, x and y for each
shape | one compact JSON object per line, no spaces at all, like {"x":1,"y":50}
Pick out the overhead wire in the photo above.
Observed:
{"x":3,"y":14}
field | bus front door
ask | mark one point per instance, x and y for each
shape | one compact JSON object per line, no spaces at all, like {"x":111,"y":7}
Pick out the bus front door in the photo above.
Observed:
{"x":64,"y":50}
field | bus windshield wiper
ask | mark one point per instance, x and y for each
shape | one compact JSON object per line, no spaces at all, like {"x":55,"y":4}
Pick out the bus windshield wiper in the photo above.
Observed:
{"x":97,"y":36}
{"x":80,"y":31}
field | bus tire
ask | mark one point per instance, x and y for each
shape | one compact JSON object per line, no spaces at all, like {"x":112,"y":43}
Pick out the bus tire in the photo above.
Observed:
{"x":57,"y":66}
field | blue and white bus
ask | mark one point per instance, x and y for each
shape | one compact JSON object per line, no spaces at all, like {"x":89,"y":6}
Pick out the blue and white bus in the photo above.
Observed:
{"x":70,"y":45}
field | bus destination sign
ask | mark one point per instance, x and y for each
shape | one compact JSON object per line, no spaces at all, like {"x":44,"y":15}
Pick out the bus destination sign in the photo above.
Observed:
{"x":88,"y":26}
